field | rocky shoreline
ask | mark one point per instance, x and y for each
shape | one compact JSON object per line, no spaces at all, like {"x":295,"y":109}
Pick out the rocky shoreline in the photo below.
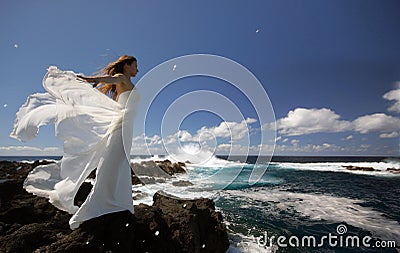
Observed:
{"x":30,"y":224}
{"x":358,"y":168}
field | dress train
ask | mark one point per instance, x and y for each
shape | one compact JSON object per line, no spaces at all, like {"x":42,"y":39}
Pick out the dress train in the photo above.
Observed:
{"x":93,"y":128}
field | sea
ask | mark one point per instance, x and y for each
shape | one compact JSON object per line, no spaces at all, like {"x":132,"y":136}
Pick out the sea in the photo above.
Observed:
{"x":291,"y":203}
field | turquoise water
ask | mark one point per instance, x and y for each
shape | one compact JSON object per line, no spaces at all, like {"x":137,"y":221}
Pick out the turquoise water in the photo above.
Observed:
{"x":312,"y":199}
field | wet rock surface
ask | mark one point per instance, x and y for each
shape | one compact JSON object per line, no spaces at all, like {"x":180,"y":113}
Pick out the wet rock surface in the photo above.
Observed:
{"x":358,"y":168}
{"x":162,"y":169}
{"x":30,"y":224}
{"x":351,"y":167}
{"x":393,"y":170}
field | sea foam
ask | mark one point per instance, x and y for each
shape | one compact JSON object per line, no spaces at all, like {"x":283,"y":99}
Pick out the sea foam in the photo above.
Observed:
{"x":318,"y":207}
{"x":380,"y":168}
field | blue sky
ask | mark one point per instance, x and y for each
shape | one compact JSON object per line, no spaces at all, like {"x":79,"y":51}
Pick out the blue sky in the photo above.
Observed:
{"x":331,"y":69}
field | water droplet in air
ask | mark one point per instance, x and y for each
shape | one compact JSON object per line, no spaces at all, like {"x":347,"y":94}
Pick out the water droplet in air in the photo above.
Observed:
{"x":184,"y":205}
{"x":87,"y":242}
{"x":5,"y":105}
{"x":174,"y":67}
{"x":16,"y":45}
{"x":258,"y":30}
{"x":157,"y":233}
{"x":127,"y":225}
{"x":203,"y":246}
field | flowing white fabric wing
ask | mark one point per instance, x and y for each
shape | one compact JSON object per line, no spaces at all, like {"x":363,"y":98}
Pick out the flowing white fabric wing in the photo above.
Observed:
{"x":83,"y":119}
{"x":39,"y":110}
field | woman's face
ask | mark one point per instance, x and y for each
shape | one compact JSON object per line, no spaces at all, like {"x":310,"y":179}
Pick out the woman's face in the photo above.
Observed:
{"x":132,"y":68}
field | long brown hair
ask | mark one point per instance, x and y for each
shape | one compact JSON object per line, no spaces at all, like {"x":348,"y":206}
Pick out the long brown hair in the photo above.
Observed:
{"x":113,"y":68}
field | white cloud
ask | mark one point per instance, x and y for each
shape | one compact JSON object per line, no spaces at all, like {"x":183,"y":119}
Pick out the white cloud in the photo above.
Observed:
{"x":226,"y":129}
{"x":303,"y":121}
{"x":238,"y":149}
{"x":184,"y":135}
{"x":235,"y":131}
{"x":333,"y":149}
{"x":364,"y":147}
{"x":226,"y":148}
{"x":378,"y":122}
{"x":153,"y":140}
{"x":394,"y":95}
{"x":310,"y":149}
{"x":307,"y":121}
{"x":294,"y":142}
{"x":389,"y":135}
{"x":223,"y":137}
{"x":29,"y":150}
{"x":326,"y":145}
{"x":349,"y":137}
{"x":147,"y":150}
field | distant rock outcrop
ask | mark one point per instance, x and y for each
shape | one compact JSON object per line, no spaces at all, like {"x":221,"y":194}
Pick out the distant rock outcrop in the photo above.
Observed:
{"x":358,"y":168}
{"x":351,"y":167}
{"x":393,"y":170}
{"x":158,"y":168}
{"x":171,"y":168}
{"x":151,"y":172}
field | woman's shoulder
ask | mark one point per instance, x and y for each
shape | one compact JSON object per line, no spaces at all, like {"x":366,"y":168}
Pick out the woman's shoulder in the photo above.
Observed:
{"x":119,"y":77}
{"x":122,"y":78}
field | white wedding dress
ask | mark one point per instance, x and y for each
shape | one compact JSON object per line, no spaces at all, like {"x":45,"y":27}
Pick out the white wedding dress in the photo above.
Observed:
{"x":92,"y":127}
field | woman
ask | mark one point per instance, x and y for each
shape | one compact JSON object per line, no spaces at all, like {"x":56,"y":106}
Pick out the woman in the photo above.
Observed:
{"x":92,"y":127}
{"x":117,"y":76}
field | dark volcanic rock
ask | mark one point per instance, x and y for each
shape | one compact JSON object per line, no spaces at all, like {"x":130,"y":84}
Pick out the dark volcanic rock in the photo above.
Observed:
{"x":351,"y":167}
{"x":149,"y":168}
{"x":111,"y":232}
{"x":194,"y":224}
{"x":164,"y":169}
{"x":170,"y":225}
{"x":181,"y":183}
{"x":171,"y":168}
{"x":17,"y":170}
{"x":27,"y":222}
{"x":135,"y":180}
{"x":82,"y":193}
{"x":393,"y":170}
{"x":30,"y":224}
